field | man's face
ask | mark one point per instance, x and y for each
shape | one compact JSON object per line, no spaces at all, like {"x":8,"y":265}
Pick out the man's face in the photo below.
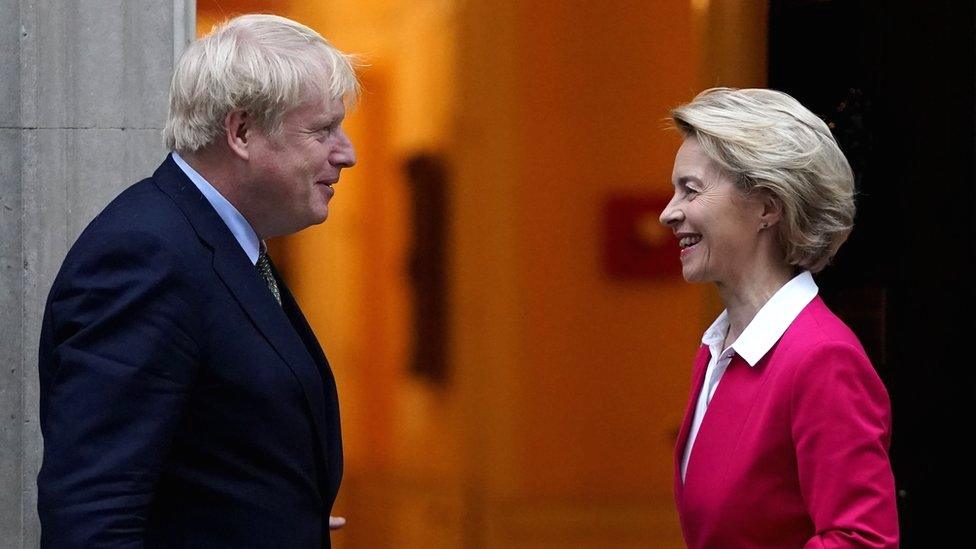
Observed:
{"x":292,"y":173}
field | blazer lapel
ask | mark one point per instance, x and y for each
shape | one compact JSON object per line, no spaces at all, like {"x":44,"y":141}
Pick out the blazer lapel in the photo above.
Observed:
{"x":697,"y":380}
{"x":245,"y":284}
{"x":721,"y":428}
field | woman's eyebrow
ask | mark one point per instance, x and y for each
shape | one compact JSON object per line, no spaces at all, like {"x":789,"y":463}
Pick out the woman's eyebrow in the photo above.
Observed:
{"x":684,"y":179}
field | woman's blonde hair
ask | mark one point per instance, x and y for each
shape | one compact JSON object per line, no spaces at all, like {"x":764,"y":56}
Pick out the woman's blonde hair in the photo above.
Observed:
{"x":769,"y":142}
{"x":264,"y":64}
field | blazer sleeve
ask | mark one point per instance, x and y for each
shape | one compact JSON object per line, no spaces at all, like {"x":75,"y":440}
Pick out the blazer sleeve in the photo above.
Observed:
{"x":117,"y":357}
{"x":841,"y":426}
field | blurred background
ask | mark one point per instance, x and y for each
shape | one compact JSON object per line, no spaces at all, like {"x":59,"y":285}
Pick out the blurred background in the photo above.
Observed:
{"x":505,"y":317}
{"x":511,"y":374}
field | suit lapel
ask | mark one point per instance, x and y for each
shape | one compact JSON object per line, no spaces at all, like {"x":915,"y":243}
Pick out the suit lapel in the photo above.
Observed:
{"x":304,"y":331}
{"x":243,"y":281}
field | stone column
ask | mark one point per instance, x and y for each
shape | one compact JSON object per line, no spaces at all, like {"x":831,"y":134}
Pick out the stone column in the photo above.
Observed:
{"x":83,"y":90}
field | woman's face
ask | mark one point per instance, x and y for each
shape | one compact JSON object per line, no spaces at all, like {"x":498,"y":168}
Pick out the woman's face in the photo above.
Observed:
{"x":716,"y":226}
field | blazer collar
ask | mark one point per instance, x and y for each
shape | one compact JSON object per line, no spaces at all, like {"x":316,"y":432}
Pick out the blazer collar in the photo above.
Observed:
{"x":770,"y":322}
{"x":243,"y":281}
{"x":231,"y":216}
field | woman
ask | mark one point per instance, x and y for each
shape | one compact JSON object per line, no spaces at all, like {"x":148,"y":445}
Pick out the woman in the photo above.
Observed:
{"x":785,"y":439}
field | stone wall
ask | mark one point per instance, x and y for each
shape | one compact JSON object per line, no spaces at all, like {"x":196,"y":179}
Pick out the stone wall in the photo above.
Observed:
{"x":83,"y":88}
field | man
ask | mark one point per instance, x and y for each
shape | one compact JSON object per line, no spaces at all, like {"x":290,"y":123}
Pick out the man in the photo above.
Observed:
{"x":185,"y":401}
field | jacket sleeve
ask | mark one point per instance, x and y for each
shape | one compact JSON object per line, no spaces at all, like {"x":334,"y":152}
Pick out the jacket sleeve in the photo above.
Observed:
{"x":117,"y":357}
{"x":841,"y":425}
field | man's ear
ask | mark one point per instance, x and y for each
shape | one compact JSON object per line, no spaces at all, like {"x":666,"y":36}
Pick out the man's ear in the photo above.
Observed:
{"x":237,"y":128}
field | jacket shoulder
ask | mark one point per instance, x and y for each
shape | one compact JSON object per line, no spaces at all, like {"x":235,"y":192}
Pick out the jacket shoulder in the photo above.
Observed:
{"x":142,"y":224}
{"x":143,"y":207}
{"x":817,"y":326}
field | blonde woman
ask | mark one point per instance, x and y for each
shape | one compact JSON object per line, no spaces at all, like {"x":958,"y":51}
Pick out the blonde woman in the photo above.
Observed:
{"x":785,"y":439}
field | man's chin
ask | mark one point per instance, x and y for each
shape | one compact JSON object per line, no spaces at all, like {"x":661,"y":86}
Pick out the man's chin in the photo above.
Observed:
{"x":317,"y":219}
{"x":306,"y":222}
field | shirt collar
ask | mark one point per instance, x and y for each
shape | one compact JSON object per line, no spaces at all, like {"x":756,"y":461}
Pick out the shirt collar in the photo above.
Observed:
{"x":238,"y":226}
{"x":715,"y":334}
{"x":770,"y":323}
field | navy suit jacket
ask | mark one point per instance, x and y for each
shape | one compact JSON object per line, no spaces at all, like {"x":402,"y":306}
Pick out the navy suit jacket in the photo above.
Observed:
{"x":181,"y":406}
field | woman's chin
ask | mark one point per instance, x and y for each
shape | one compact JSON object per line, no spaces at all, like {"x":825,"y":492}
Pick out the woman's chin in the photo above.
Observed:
{"x":692,"y":276}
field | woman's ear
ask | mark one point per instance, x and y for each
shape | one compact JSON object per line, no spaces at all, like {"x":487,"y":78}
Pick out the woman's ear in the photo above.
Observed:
{"x":237,"y":126}
{"x":772,"y":210}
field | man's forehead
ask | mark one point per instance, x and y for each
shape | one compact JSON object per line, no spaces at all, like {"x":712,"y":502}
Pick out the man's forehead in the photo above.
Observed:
{"x":319,"y":107}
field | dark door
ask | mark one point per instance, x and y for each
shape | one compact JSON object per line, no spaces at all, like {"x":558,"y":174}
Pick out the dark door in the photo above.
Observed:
{"x":896,"y":80}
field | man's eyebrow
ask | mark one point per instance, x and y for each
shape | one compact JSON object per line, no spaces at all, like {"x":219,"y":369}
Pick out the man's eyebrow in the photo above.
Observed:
{"x":324,"y":121}
{"x":327,"y":119}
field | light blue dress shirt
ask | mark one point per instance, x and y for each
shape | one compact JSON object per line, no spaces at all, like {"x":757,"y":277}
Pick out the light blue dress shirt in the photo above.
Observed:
{"x":239,"y":226}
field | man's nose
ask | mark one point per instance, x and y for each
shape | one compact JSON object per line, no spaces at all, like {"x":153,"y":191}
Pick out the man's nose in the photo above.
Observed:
{"x":345,"y":154}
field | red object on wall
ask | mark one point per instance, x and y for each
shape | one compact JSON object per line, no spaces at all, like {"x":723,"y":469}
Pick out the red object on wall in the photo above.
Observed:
{"x":636,"y":245}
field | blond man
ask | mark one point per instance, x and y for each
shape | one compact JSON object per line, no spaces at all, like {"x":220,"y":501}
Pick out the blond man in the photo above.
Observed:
{"x":185,"y":401}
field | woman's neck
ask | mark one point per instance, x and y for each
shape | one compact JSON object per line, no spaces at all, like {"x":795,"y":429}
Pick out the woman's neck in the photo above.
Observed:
{"x":747,"y":294}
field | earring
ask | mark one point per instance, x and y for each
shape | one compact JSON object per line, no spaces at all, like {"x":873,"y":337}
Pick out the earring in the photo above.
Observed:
{"x":764,"y":225}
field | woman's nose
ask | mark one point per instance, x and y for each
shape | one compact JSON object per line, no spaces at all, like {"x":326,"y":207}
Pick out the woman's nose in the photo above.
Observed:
{"x":671,"y":214}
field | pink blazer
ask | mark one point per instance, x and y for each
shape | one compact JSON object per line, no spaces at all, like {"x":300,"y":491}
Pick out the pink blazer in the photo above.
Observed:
{"x":792,"y":452}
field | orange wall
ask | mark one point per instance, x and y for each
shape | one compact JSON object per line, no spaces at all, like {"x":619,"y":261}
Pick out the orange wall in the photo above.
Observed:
{"x":735,"y":42}
{"x":607,"y":360}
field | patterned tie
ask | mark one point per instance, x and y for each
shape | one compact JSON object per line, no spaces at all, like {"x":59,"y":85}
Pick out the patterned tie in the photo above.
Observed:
{"x":264,"y":269}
